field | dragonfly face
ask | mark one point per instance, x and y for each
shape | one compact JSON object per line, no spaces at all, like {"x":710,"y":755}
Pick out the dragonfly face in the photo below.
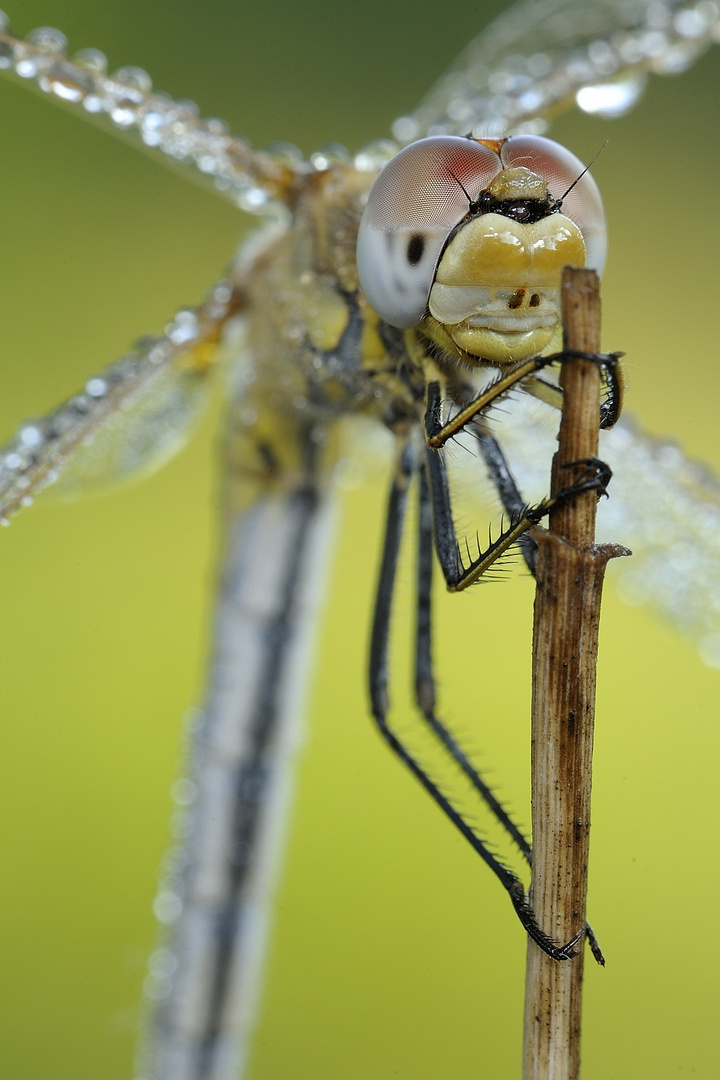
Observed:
{"x":471,"y":235}
{"x":140,"y":266}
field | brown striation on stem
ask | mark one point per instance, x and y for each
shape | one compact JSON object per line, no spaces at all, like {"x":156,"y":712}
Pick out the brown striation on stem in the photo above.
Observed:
{"x":570,"y":573}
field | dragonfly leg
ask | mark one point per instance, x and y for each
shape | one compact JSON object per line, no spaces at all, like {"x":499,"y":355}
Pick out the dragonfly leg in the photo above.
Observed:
{"x":424,"y":678}
{"x":380,"y":703}
{"x":439,"y":430}
{"x":462,"y":570}
{"x":613,"y":386}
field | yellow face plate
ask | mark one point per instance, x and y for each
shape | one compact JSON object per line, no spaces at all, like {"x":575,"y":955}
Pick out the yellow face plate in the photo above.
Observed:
{"x":497,"y":286}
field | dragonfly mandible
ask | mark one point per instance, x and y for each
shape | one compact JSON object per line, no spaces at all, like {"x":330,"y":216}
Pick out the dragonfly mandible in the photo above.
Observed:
{"x":108,"y":563}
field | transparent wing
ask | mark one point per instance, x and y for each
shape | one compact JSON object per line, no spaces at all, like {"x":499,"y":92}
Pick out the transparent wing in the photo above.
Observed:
{"x":535,"y":61}
{"x":543,"y":56}
{"x":130,"y":418}
{"x":665,"y":508}
{"x":125,"y":102}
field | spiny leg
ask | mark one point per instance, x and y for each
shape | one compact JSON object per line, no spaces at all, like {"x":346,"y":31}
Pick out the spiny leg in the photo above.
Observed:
{"x":378,"y":679}
{"x":438,"y":430}
{"x":496,"y":463}
{"x":595,"y":477}
{"x":522,"y":517}
{"x":513,"y":503}
{"x":613,"y":385}
{"x":424,"y":677}
{"x":515,"y":506}
{"x":430,"y":514}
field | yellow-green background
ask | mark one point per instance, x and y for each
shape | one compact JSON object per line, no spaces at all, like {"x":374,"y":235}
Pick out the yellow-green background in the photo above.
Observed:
{"x":395,"y":954}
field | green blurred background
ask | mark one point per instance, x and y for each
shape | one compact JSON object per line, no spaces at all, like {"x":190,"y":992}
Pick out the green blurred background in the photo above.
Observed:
{"x":395,"y":955}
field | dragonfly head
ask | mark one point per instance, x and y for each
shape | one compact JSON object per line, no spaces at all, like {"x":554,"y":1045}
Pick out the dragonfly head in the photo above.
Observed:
{"x":467,"y":240}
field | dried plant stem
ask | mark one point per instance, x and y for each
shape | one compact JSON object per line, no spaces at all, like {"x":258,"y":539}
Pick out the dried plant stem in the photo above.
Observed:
{"x":567,"y":608}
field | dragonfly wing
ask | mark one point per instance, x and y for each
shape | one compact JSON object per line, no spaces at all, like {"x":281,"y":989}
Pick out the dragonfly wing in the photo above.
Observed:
{"x":536,"y":60}
{"x":663,"y":506}
{"x":129,"y":419}
{"x":540,"y":58}
{"x":125,"y":103}
{"x":667,"y":509}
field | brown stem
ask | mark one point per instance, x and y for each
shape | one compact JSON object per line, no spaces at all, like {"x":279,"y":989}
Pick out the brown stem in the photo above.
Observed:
{"x":570,"y":572}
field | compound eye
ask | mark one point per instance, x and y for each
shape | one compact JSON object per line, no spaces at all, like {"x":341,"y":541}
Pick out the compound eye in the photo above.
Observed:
{"x":561,"y":169}
{"x":416,"y":201}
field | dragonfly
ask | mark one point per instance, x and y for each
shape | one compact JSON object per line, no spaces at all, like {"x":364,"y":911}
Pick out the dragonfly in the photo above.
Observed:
{"x":623,"y":538}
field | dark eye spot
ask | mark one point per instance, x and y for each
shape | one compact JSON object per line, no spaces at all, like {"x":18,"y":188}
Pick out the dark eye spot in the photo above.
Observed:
{"x":415,"y":249}
{"x":516,"y":299}
{"x":535,"y":300}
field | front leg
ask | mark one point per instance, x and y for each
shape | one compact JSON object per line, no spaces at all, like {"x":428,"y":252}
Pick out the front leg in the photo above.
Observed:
{"x":438,"y":431}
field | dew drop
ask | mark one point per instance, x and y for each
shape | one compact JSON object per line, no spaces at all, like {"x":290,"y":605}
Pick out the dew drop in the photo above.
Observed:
{"x":611,"y":99}
{"x":96,"y":388}
{"x":184,"y":327}
{"x":184,"y":791}
{"x":603,"y":57}
{"x":92,"y":60}
{"x":406,"y":129}
{"x":215,"y":126}
{"x":49,"y":40}
{"x":222,"y":293}
{"x":162,"y":963}
{"x":187,"y":106}
{"x":285,"y":152}
{"x":372,"y":156}
{"x":63,"y":88}
{"x":158,"y":353}
{"x":690,"y":23}
{"x":167,"y":907}
{"x":328,"y":155}
{"x":29,"y":67}
{"x":252,"y":199}
{"x":124,"y":115}
{"x":93,"y":104}
{"x":135,"y":78}
{"x":152,"y":127}
{"x":30,"y":436}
